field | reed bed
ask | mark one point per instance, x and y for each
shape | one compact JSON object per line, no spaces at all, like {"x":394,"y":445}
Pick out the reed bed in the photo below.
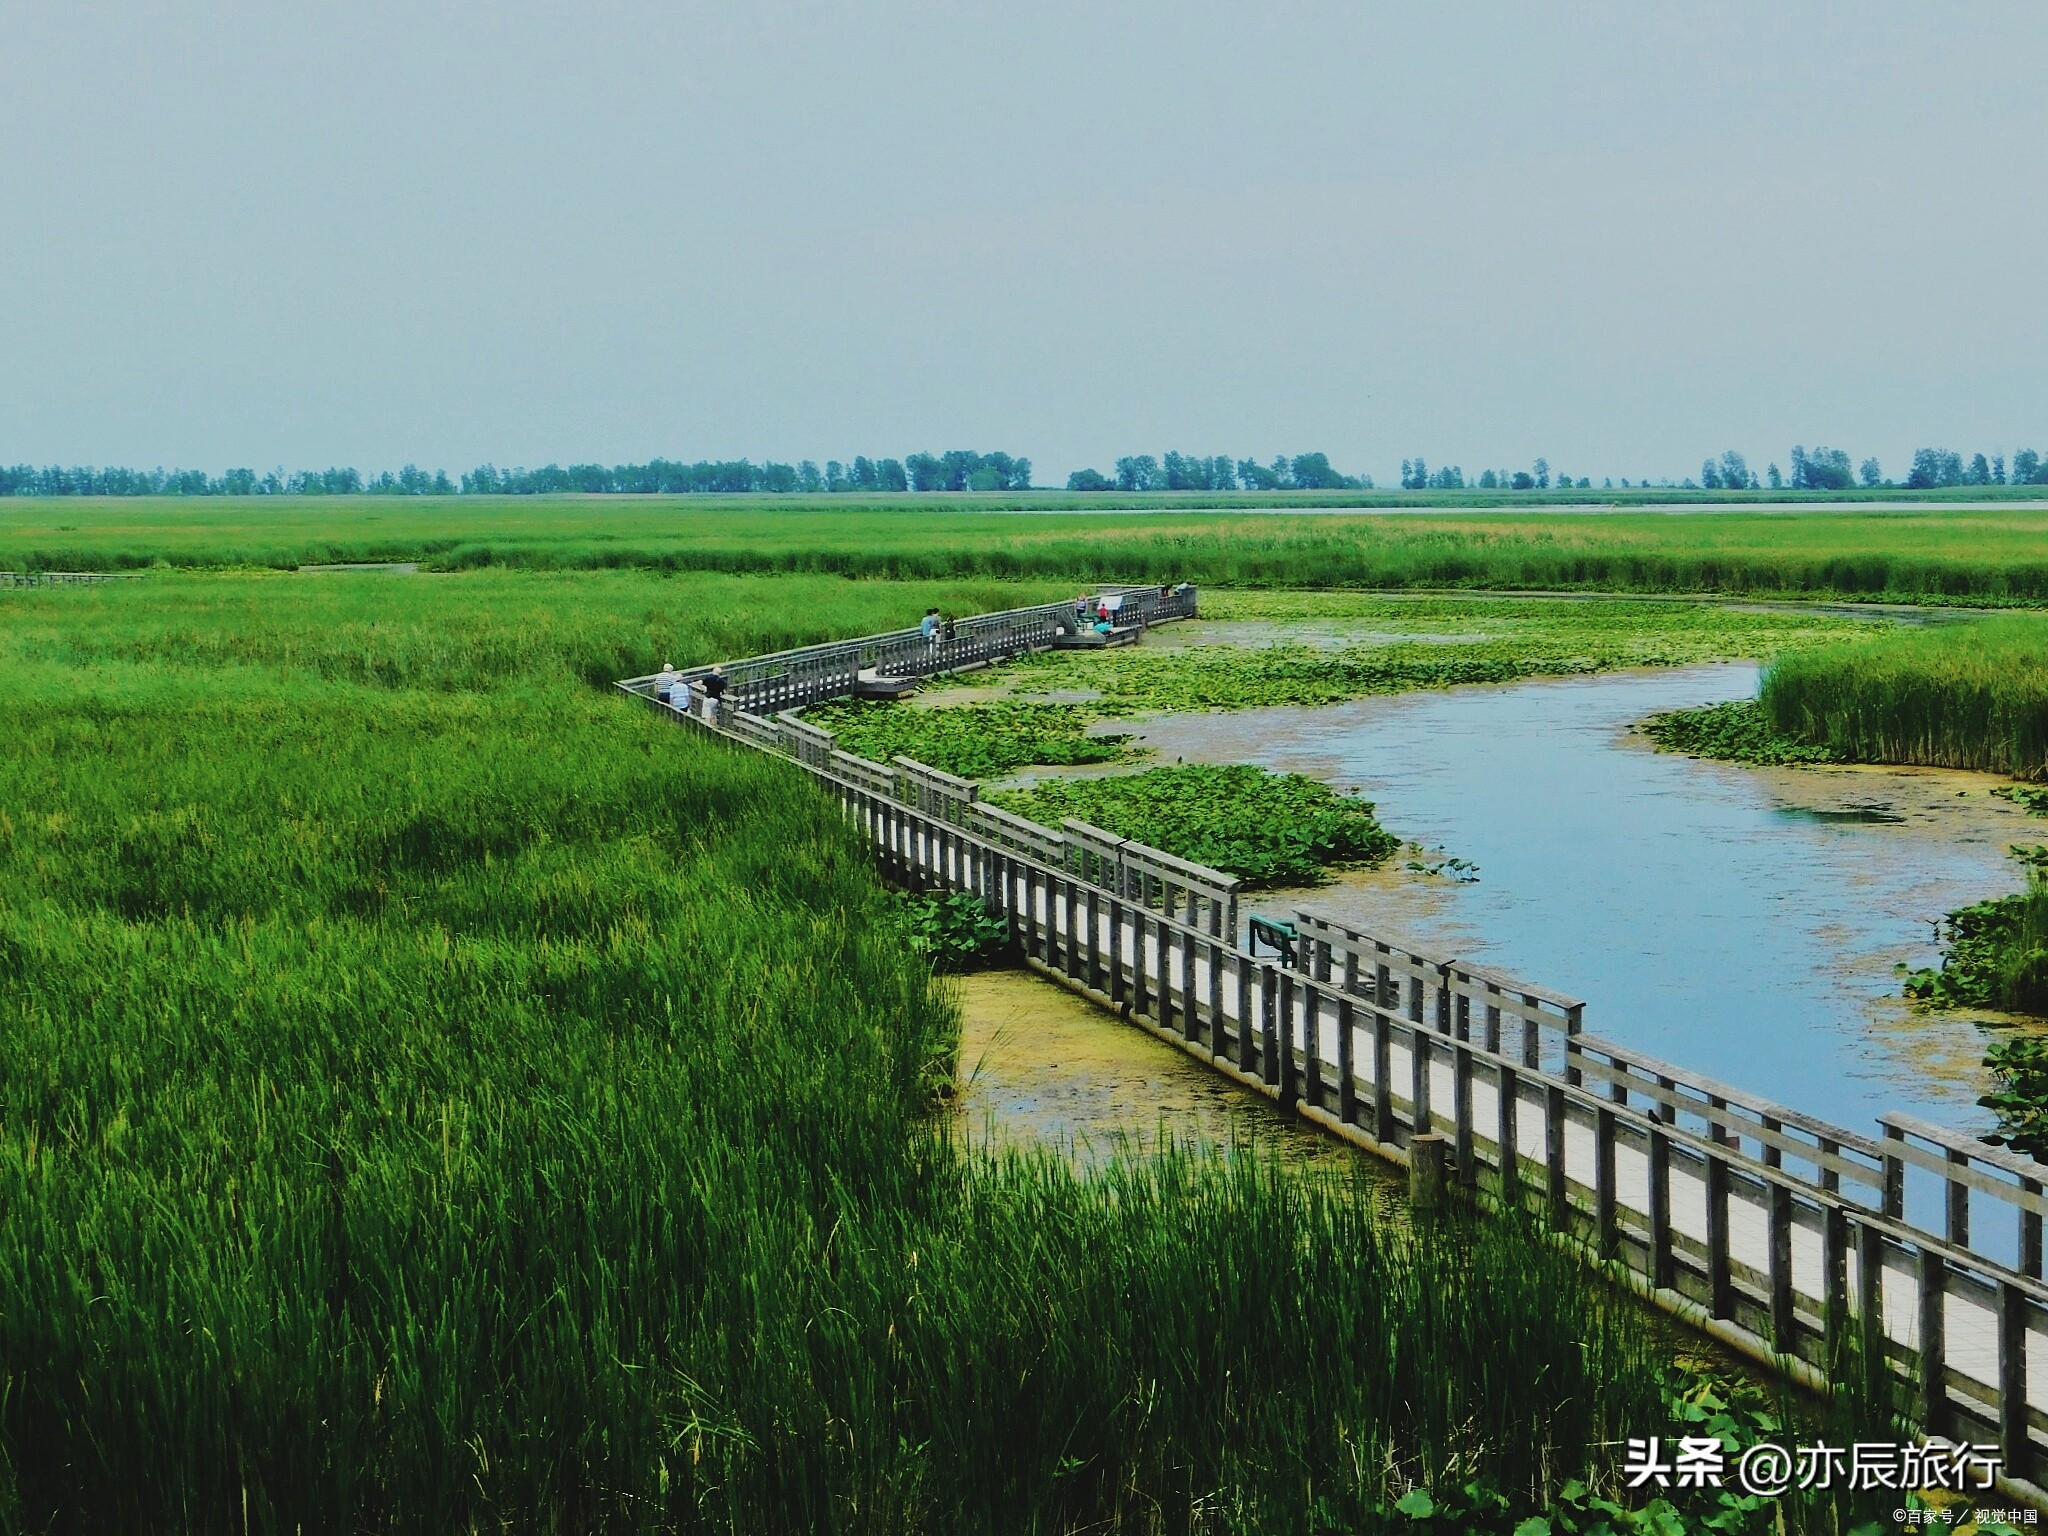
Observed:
{"x":1914,"y":552}
{"x":1949,"y":696}
{"x":436,"y":1095}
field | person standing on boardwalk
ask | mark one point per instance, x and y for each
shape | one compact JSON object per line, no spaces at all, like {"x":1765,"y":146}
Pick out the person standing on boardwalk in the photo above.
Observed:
{"x":928,"y":626}
{"x":683,"y":698}
{"x":665,"y":683}
{"x":714,"y":694}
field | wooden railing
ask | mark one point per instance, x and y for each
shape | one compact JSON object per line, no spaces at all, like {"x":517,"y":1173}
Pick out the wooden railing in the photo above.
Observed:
{"x":61,"y":578}
{"x":786,"y":680}
{"x":1789,"y":1238}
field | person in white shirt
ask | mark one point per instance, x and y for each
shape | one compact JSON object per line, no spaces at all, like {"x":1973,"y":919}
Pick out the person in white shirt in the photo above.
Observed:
{"x":682,"y":699}
{"x":665,"y":683}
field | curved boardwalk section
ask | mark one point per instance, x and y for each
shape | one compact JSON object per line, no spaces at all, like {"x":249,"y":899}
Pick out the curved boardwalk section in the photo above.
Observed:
{"x":1780,"y":1234}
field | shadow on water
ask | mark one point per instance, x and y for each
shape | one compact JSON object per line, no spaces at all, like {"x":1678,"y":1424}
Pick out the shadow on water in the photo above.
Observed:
{"x":1867,"y":814}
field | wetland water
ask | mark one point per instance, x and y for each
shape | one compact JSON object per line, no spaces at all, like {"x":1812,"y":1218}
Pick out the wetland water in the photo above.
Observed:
{"x":1745,"y":923}
{"x":1039,"y":1064}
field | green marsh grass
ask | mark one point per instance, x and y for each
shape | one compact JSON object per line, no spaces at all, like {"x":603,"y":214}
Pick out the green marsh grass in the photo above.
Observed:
{"x":1925,"y":552}
{"x":1947,"y":696}
{"x":435,"y":1094}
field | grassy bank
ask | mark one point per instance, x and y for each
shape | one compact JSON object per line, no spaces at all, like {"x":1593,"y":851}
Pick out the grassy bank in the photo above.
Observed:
{"x":1909,"y":551}
{"x":1953,"y":696}
{"x":1736,"y":732}
{"x":435,"y":1094}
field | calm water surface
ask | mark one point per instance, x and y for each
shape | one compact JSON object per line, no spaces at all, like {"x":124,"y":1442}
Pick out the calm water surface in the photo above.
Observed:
{"x":1744,"y":923}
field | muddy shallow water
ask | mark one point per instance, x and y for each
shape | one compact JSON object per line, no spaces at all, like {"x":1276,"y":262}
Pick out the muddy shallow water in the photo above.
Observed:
{"x":1746,"y":923}
{"x":1039,"y":1064}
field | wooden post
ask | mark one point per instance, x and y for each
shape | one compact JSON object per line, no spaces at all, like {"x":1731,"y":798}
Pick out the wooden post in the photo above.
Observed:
{"x":1421,"y":1120}
{"x":1347,"y":1075}
{"x":1958,"y":1201}
{"x":1094,"y":947}
{"x":1834,"y":1263}
{"x":2015,"y":1450}
{"x":1870,"y":1299}
{"x":1216,"y":1041}
{"x":1116,"y":952}
{"x":1269,"y":1028}
{"x":1283,"y":1039}
{"x":1427,"y":1184}
{"x":1894,"y":1177}
{"x":1720,"y":1288}
{"x":1606,"y":1232}
{"x":1162,"y":942}
{"x":1557,"y":1193}
{"x":1662,"y":1260}
{"x":1507,"y":1091}
{"x":1933,"y":1341}
{"x":1141,"y":1002}
{"x":1382,"y":1077}
{"x":1190,"y":1013}
{"x":2030,"y":1232}
{"x":1247,"y":1021}
{"x":1461,"y":1113}
{"x":1779,"y":1197}
{"x":1312,"y":1044}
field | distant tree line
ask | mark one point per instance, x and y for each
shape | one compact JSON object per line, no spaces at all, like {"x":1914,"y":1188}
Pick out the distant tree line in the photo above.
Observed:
{"x":1940,"y":466}
{"x":1191,"y":472}
{"x":1812,"y":469}
{"x":958,"y":470}
{"x":54,"y":480}
{"x":1828,"y":469}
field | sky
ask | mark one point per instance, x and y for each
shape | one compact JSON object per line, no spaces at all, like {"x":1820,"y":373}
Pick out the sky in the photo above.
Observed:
{"x":1618,"y":234}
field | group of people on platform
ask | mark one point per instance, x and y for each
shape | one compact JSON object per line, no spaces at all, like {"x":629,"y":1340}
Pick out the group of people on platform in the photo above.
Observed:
{"x":702,"y":696}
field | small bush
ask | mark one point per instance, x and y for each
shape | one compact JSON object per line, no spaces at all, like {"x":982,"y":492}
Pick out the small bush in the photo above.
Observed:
{"x":954,"y":929}
{"x":1995,"y":956}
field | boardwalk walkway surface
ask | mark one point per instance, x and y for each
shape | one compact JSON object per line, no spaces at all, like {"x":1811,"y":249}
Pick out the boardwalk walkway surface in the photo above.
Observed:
{"x":1778,"y":1233}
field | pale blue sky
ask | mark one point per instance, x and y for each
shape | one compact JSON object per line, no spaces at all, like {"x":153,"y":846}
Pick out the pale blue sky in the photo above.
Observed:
{"x":1621,"y":235}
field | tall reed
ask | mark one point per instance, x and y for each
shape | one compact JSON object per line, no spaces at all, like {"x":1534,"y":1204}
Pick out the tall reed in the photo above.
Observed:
{"x":1919,"y":552}
{"x":1969,"y":695}
{"x":437,"y":1107}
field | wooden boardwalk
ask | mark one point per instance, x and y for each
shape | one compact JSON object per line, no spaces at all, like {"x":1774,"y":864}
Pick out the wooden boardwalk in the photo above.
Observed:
{"x":1777,"y":1233}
